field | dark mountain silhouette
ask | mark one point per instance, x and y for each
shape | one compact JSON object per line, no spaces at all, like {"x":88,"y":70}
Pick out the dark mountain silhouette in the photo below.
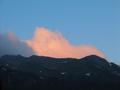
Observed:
{"x":47,"y":73}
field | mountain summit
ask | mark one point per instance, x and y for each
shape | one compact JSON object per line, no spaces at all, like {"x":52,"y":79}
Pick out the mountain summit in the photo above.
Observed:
{"x":47,"y":73}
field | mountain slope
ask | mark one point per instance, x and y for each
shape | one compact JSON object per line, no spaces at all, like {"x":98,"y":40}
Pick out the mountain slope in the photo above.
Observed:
{"x":35,"y":73}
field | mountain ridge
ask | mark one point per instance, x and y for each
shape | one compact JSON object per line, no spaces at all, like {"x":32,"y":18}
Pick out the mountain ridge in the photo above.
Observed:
{"x":37,"y":72}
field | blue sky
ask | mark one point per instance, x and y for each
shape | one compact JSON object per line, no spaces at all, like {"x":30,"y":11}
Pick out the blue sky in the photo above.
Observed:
{"x":95,"y":22}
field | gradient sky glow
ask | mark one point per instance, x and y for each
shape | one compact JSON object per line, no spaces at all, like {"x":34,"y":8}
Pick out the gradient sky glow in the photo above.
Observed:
{"x":94,"y":22}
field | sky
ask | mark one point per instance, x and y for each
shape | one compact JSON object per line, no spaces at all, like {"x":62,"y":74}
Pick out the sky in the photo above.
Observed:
{"x":94,"y":22}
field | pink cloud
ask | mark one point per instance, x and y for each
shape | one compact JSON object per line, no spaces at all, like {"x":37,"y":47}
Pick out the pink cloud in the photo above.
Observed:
{"x":53,"y":44}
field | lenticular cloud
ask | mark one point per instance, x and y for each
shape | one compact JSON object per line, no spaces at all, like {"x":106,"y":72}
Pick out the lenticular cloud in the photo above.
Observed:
{"x":53,"y":44}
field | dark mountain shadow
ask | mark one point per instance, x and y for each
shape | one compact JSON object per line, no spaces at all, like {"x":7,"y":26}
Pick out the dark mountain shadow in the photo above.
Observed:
{"x":47,"y":73}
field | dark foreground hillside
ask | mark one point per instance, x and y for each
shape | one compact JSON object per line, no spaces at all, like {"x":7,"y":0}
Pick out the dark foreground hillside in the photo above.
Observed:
{"x":45,"y":73}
